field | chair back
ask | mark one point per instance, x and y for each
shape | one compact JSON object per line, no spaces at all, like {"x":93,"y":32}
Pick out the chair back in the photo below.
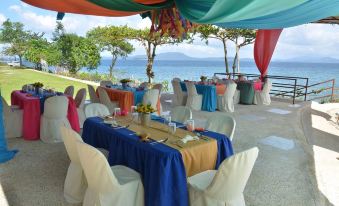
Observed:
{"x":158,"y":87}
{"x":104,"y":98}
{"x":267,"y":86}
{"x":232,"y":176}
{"x":92,"y":95}
{"x":99,"y":175}
{"x":69,"y":91}
{"x":151,"y":96}
{"x":230,"y":91}
{"x":181,"y":114}
{"x":6,"y":108}
{"x":105,"y":83}
{"x":191,"y":89}
{"x":176,"y":88}
{"x":70,"y":137}
{"x":56,"y":107}
{"x":96,"y":110}
{"x":80,"y":98}
{"x":176,"y":79}
{"x":222,"y":123}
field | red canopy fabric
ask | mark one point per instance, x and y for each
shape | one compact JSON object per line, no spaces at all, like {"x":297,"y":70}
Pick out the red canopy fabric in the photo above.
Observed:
{"x":77,"y":7}
{"x":264,"y":46}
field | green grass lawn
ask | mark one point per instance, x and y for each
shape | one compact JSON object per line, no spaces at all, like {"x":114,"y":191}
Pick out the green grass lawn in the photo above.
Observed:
{"x":14,"y":78}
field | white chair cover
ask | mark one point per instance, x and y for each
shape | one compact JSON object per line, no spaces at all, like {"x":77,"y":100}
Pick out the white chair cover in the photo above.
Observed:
{"x":158,"y":87}
{"x":118,"y":185}
{"x":105,"y":83}
{"x":151,"y":96}
{"x":223,"y":124}
{"x":176,"y":79}
{"x":12,"y":120}
{"x":104,"y":99}
{"x":194,"y":100}
{"x":96,"y":110}
{"x":225,"y":102}
{"x":92,"y":95}
{"x":75,"y":183}
{"x":181,"y":114}
{"x":180,"y":97}
{"x":236,"y":97}
{"x":263,"y":97}
{"x":80,"y":99}
{"x":69,"y":91}
{"x":54,"y":116}
{"x":225,"y":186}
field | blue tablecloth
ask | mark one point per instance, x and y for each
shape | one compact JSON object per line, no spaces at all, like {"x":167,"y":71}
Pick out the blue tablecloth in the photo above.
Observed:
{"x":138,"y":94}
{"x":209,"y":96}
{"x":5,"y":154}
{"x":161,"y":167}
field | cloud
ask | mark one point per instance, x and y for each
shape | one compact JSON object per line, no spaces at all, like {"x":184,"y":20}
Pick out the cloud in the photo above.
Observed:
{"x":2,"y":18}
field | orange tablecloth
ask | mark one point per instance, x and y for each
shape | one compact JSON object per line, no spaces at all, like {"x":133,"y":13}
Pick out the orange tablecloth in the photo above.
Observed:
{"x":221,"y":88}
{"x":125,"y":98}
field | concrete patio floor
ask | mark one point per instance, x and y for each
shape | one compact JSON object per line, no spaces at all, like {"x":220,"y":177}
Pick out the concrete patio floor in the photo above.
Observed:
{"x":284,"y":173}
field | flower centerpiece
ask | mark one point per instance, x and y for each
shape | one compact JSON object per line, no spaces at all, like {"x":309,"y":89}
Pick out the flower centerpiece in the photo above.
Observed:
{"x":145,"y":112}
{"x":203,"y":79}
{"x":37,"y":86}
{"x":124,"y":82}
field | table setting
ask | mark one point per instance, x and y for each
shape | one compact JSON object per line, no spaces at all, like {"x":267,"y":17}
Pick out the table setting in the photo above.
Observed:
{"x":164,"y":152}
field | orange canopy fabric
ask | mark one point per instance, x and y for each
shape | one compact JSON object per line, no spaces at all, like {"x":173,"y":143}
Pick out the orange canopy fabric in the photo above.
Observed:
{"x":78,"y":7}
{"x":149,"y":2}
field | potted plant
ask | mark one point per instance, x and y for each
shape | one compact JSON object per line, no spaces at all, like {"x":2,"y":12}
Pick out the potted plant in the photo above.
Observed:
{"x":37,"y":86}
{"x":203,"y":79}
{"x":145,"y":112}
{"x":124,"y":83}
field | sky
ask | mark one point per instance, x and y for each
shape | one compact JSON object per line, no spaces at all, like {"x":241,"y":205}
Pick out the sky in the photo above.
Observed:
{"x":310,"y":40}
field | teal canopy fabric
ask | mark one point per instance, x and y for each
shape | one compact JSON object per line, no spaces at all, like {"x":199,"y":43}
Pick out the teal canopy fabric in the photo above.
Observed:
{"x":257,"y":14}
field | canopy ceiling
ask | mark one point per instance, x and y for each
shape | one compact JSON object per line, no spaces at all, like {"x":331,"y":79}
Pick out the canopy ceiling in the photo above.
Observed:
{"x":258,"y":14}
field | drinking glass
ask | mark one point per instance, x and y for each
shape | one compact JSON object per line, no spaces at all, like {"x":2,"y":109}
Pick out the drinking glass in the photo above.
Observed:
{"x":168,"y":118}
{"x":190,"y":125}
{"x":117,"y":112}
{"x":134,"y":112}
{"x":172,"y":128}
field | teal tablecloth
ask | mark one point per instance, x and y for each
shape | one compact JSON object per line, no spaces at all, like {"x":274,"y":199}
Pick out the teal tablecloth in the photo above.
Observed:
{"x":209,"y":96}
{"x":5,"y":154}
{"x":246,"y":92}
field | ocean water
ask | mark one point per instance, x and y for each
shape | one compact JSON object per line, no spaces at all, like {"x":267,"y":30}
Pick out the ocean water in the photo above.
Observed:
{"x":192,"y":70}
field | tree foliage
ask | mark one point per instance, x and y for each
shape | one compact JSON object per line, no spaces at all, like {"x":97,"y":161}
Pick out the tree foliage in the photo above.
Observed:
{"x":113,"y":39}
{"x":150,"y":42}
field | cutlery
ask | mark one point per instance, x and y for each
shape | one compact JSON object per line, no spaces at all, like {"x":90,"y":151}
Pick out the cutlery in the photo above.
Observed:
{"x":159,"y":141}
{"x":121,"y":127}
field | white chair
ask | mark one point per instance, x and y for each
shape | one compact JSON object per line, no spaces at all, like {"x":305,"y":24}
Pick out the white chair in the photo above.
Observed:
{"x":194,"y":100}
{"x":104,"y":99}
{"x":223,"y":124}
{"x":225,"y":102}
{"x":176,"y":79}
{"x":96,"y":110}
{"x":75,"y":183}
{"x":12,"y":120}
{"x":69,"y":91}
{"x":180,"y":97}
{"x":158,"y":87}
{"x":151,"y":96}
{"x":92,"y":95}
{"x":236,"y":97}
{"x":105,"y":83}
{"x":181,"y":114}
{"x":117,"y":185}
{"x":226,"y":185}
{"x":263,"y":97}
{"x":79,"y":100}
{"x":54,"y":116}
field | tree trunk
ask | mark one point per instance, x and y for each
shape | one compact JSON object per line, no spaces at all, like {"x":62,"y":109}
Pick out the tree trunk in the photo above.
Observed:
{"x":114,"y":59}
{"x":150,"y":56}
{"x":20,"y":59}
{"x":234,"y":66}
{"x":238,"y":59}
{"x":225,"y":53}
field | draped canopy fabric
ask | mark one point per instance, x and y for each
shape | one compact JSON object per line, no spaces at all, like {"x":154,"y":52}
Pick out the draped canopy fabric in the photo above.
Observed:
{"x":264,"y":46}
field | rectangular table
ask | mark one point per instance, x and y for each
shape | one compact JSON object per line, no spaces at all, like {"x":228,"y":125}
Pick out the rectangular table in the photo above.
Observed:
{"x":209,"y":95}
{"x":31,"y":106}
{"x":161,"y":167}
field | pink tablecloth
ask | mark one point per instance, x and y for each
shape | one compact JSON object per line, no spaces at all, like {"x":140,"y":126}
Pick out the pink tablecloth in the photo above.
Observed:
{"x":31,"y":114}
{"x":257,"y":85}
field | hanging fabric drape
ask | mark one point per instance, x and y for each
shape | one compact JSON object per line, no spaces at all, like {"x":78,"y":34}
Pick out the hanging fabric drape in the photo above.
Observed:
{"x":264,"y":46}
{"x":5,"y":155}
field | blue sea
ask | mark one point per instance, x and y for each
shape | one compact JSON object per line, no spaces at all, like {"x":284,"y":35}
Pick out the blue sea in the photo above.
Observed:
{"x":192,"y":70}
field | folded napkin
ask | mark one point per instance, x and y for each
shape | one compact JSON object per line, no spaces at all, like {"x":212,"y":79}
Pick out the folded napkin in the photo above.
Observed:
{"x":188,"y":138}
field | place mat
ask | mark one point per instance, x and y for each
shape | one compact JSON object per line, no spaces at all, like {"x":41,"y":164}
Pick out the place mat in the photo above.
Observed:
{"x":198,"y":156}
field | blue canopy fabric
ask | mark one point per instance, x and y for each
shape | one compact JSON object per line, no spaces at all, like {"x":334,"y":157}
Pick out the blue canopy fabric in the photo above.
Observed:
{"x":5,"y":155}
{"x":257,"y":14}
